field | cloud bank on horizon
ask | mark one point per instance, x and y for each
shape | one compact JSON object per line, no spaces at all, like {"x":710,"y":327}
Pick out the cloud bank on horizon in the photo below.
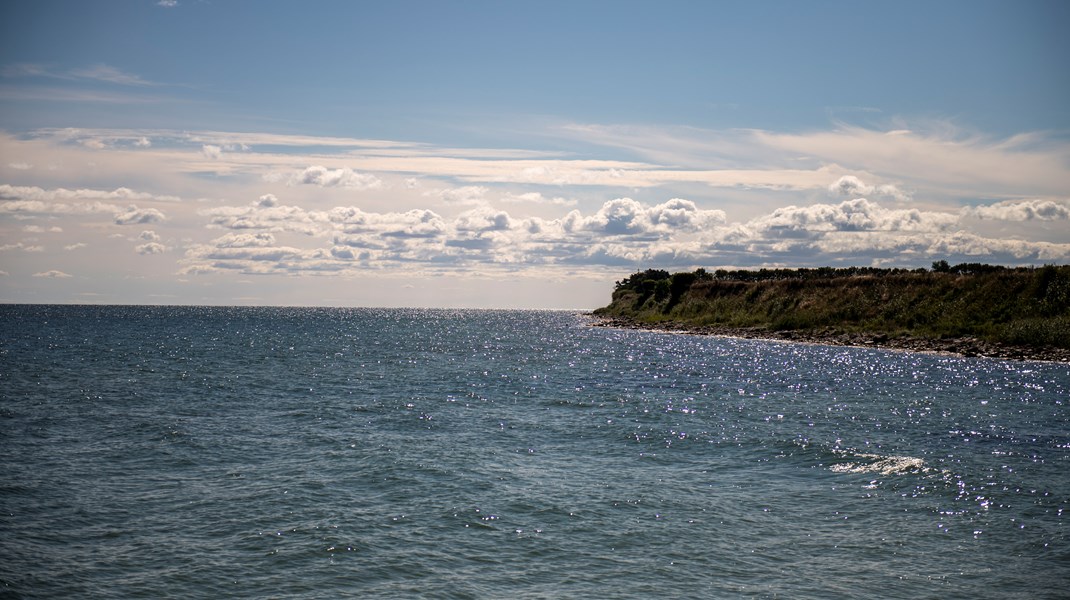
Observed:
{"x":124,"y":181}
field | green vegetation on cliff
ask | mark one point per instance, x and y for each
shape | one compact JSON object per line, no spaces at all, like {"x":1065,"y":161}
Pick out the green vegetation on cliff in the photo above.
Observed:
{"x":1020,"y":306}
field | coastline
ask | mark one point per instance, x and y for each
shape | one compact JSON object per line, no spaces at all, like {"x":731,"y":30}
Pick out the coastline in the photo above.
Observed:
{"x":958,"y":346}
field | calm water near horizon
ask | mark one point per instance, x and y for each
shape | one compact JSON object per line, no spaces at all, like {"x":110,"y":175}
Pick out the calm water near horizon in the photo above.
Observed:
{"x":205,"y":452}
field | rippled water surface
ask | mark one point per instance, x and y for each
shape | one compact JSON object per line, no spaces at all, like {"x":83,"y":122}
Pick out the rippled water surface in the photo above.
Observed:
{"x":274,"y":452}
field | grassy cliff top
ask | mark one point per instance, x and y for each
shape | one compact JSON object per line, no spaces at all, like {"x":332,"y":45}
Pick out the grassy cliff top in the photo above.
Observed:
{"x":1017,"y":306}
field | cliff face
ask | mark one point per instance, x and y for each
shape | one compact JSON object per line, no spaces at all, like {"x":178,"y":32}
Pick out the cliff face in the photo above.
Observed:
{"x":1022,"y":306}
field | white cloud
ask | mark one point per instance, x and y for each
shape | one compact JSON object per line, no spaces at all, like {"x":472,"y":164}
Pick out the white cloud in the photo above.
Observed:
{"x":212,"y":151}
{"x":1021,"y":210}
{"x":11,"y":192}
{"x":22,"y":246}
{"x":620,"y":234}
{"x":151,"y":248}
{"x":537,"y":198}
{"x":75,"y":246}
{"x":38,"y":207}
{"x":345,"y":177}
{"x":480,"y":235}
{"x":167,"y":3}
{"x":851,"y":186}
{"x":139,"y":216}
{"x":466,"y":195}
{"x":39,"y":229}
{"x":245,"y":240}
{"x":265,"y":213}
{"x":54,"y":274}
{"x":20,"y":166}
{"x":625,"y":216}
{"x":484,"y":219}
{"x":968,"y":244}
{"x":853,"y":215}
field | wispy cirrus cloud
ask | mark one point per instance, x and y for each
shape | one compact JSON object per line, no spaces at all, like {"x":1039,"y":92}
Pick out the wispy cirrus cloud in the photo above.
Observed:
{"x":13,"y":192}
{"x":109,"y":74}
{"x":99,"y":72}
{"x":933,"y":158}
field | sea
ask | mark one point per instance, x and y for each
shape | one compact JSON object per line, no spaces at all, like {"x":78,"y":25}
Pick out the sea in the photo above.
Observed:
{"x":239,"y":452}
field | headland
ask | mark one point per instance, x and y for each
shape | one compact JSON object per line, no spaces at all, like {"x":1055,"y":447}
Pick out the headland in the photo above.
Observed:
{"x":968,"y":309}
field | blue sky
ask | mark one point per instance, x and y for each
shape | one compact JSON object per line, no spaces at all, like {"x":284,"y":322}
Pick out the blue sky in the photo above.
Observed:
{"x":516,"y":154}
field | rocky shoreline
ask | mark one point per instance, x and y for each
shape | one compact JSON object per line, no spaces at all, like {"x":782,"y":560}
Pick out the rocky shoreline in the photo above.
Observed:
{"x":960,"y":346}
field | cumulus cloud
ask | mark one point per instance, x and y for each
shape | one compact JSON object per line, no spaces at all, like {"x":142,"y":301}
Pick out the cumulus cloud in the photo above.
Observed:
{"x":484,"y":219}
{"x":255,"y":253}
{"x":53,"y":274}
{"x":853,"y":215}
{"x":151,"y":248}
{"x":212,"y":151}
{"x":621,"y":233}
{"x":625,"y":216}
{"x":1021,"y":210}
{"x":245,"y":240}
{"x":964,"y":243}
{"x":853,"y":187}
{"x":75,"y":246}
{"x":346,"y":178}
{"x":139,"y":216}
{"x":415,"y":223}
{"x":420,"y":236}
{"x":268,"y":214}
{"x":862,"y":231}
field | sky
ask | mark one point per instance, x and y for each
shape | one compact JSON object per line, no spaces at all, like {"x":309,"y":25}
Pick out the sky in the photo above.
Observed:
{"x":513,"y":154}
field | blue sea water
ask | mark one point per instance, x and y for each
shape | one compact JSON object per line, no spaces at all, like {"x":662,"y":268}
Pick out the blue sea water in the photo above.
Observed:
{"x":204,"y":452}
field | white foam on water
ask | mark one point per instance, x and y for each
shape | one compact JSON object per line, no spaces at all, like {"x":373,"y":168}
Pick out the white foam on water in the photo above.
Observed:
{"x":883,"y":465}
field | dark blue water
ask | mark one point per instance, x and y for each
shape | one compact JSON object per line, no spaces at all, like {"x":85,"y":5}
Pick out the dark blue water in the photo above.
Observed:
{"x":276,"y":452}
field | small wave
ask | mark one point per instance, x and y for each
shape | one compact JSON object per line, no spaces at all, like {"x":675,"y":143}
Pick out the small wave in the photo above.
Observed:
{"x":883,"y":465}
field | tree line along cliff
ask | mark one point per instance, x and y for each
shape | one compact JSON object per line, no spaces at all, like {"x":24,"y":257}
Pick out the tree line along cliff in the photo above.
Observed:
{"x":1027,"y":306}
